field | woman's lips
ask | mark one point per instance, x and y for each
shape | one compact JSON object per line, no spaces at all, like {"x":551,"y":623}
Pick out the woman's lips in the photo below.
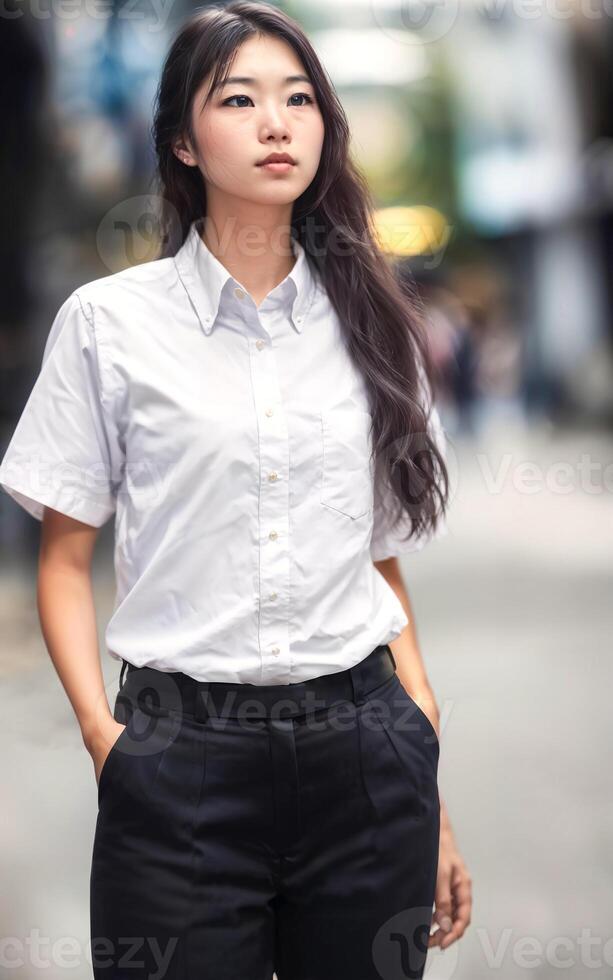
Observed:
{"x":277,"y":168}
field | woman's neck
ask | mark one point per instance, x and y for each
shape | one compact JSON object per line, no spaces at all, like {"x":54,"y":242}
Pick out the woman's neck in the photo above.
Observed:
{"x":257,"y":256}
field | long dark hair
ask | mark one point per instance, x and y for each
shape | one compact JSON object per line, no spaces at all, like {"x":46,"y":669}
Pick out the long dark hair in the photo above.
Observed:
{"x":381,"y":314}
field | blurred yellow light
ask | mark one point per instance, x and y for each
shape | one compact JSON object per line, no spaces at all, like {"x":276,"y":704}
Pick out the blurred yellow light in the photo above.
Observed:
{"x":410,"y":230}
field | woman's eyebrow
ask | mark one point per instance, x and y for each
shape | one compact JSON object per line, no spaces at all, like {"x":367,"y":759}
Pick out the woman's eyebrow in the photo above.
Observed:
{"x":245,"y":80}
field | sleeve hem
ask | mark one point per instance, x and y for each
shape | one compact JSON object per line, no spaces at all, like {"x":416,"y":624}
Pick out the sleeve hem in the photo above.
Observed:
{"x":81,"y":509}
{"x":380,"y":550}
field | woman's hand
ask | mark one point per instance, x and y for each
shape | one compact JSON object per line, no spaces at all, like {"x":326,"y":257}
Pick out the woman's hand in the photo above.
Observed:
{"x":453,"y":897}
{"x":100,"y":742}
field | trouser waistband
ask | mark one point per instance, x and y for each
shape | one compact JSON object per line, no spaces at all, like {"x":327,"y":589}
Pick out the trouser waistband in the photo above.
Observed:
{"x":164,"y":692}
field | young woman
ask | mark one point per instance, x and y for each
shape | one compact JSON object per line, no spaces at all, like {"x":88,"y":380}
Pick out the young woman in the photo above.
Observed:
{"x":252,"y":407}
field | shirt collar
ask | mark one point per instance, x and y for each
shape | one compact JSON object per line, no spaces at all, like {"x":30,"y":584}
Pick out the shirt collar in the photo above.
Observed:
{"x":204,"y":278}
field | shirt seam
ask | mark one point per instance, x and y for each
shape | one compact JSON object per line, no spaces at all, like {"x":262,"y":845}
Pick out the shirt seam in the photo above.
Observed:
{"x":102,"y":367}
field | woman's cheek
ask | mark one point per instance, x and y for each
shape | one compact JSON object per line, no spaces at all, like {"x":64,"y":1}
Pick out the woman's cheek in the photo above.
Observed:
{"x":219,"y":160}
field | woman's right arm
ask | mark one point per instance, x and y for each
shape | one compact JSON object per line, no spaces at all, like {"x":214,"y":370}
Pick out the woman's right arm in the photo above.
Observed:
{"x":68,"y":621}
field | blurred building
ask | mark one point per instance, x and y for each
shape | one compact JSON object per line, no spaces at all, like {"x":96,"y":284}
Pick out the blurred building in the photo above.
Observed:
{"x":491,"y":121}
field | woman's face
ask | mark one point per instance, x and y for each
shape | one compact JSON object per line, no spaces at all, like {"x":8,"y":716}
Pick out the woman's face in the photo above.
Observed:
{"x":244,"y":121}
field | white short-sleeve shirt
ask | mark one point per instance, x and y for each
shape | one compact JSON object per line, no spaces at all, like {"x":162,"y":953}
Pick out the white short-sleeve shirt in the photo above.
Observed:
{"x":232,"y":444}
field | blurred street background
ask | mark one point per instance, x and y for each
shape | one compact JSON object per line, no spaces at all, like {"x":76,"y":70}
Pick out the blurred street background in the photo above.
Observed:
{"x":486,"y":132}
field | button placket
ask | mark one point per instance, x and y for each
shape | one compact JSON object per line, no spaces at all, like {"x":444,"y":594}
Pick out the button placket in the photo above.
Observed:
{"x":273,"y":439}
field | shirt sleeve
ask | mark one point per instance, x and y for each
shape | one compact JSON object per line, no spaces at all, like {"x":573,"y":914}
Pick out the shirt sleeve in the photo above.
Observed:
{"x":387,"y":541}
{"x":64,"y":453}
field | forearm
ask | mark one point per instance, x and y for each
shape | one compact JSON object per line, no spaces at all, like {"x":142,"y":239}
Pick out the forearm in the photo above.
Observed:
{"x":411,"y":669}
{"x":412,"y":673}
{"x":68,"y":622}
{"x":405,"y":648}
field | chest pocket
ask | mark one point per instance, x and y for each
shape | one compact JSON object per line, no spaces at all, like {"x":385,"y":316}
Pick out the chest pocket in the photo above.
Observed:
{"x":347,"y":472}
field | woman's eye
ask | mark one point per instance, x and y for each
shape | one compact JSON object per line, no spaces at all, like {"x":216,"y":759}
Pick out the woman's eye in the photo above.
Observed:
{"x":231,"y":99}
{"x":298,"y":95}
{"x":301,"y":95}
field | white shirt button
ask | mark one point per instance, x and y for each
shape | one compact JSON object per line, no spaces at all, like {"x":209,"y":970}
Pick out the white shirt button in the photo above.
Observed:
{"x":269,"y":411}
{"x":272,"y":596}
{"x":239,"y":293}
{"x":273,"y":476}
{"x":298,"y":319}
{"x":275,"y":651}
{"x":259,"y":344}
{"x":272,"y":535}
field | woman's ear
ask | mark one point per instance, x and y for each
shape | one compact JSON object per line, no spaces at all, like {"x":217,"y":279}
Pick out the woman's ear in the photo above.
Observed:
{"x":183,"y":153}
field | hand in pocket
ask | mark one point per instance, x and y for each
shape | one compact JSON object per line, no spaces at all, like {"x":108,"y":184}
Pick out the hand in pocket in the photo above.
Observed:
{"x":103,"y":744}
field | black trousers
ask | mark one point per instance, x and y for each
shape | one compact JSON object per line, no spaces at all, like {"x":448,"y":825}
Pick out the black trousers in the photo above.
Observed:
{"x":243,"y":830}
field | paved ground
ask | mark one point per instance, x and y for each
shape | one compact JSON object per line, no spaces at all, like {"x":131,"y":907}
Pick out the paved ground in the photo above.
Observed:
{"x":514,"y":614}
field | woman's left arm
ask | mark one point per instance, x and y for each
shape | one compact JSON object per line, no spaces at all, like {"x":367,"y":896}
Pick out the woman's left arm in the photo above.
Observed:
{"x":453,"y":899}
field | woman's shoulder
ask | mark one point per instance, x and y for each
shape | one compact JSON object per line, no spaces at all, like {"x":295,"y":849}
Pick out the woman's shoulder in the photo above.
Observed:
{"x":122,"y":291}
